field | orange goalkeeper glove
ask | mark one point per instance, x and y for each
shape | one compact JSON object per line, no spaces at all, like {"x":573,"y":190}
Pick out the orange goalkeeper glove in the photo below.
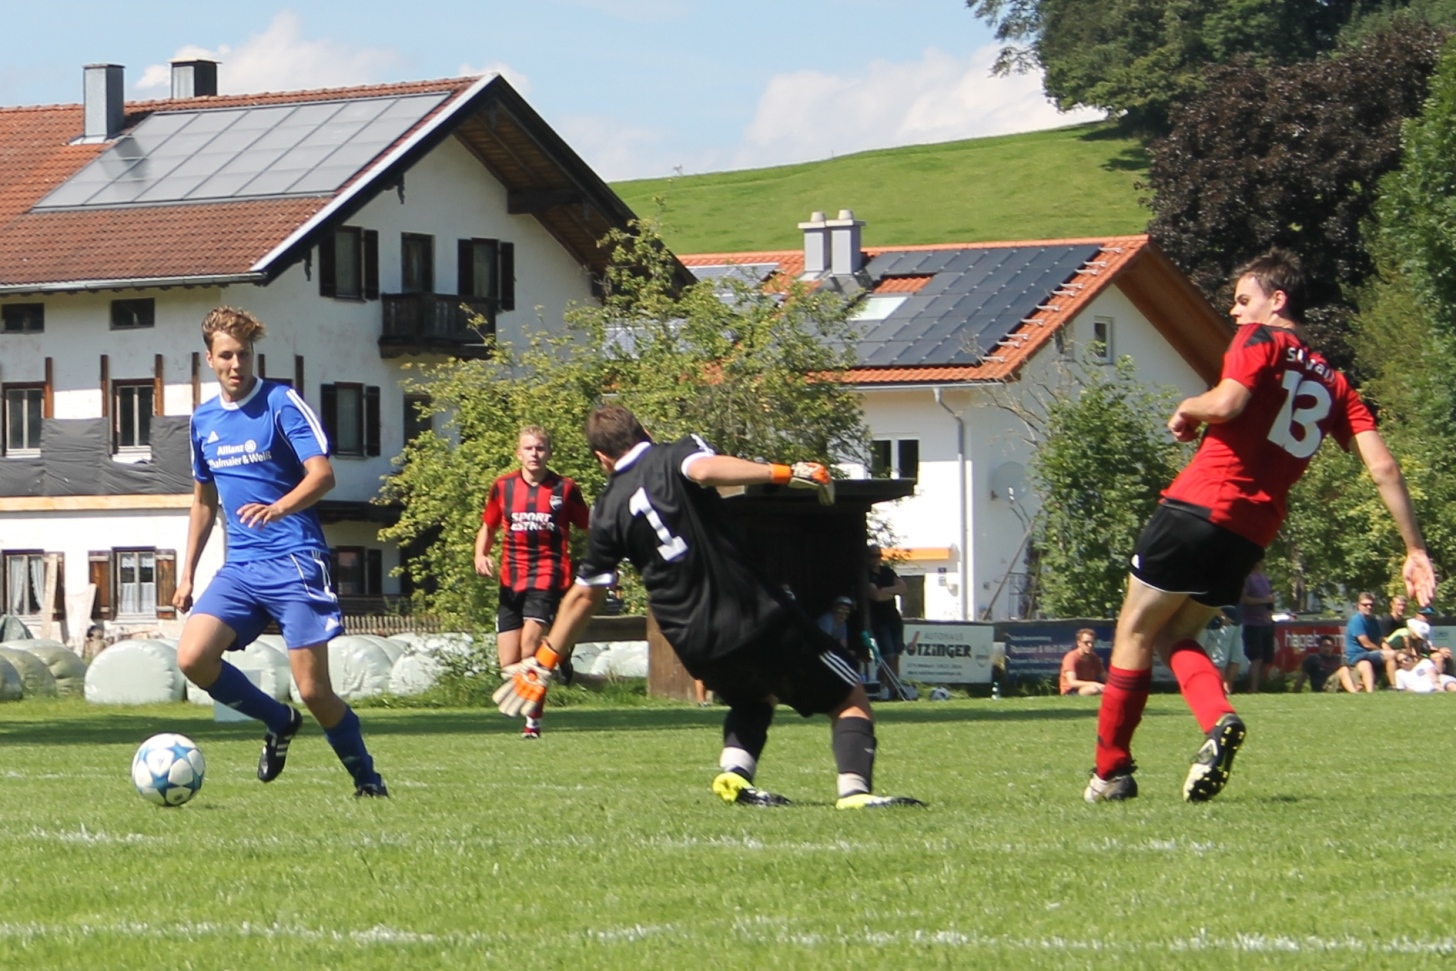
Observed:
{"x":806,"y":475}
{"x":526,"y":685}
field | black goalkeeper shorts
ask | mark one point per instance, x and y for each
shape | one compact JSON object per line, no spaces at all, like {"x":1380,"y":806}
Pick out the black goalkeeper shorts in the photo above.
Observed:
{"x":791,"y":659}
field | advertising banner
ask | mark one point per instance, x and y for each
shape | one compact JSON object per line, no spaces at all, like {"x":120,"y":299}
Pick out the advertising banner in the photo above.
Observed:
{"x":948,"y":653}
{"x":1294,"y":639}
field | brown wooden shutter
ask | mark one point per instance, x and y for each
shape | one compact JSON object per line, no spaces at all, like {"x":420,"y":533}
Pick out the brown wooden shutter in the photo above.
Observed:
{"x":99,"y":564}
{"x":507,"y":276}
{"x":329,"y":413}
{"x":371,"y":264}
{"x":371,"y":420}
{"x":328,"y":283}
{"x":159,"y":388}
{"x":166,"y":583}
{"x":298,"y":376}
{"x":465,"y":260}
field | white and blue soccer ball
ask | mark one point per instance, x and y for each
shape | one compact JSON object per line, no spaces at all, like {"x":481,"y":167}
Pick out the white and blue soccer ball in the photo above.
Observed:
{"x":168,"y":769}
{"x":939,"y":693}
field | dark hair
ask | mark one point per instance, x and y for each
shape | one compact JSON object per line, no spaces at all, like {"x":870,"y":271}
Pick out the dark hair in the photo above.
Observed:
{"x":613,"y":430}
{"x":1279,"y":270}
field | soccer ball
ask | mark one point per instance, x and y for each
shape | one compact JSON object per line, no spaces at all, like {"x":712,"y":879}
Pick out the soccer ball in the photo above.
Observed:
{"x":168,"y":769}
{"x":939,"y":693}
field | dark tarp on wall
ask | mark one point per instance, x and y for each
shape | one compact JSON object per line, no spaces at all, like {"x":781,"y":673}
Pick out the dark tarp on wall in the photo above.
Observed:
{"x":76,"y":460}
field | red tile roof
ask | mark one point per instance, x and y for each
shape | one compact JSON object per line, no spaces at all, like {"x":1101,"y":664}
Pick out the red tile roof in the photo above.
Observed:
{"x":144,"y":243}
{"x":1133,"y":263}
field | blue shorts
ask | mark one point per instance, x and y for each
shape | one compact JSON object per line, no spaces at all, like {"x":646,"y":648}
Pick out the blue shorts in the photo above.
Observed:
{"x":1374,"y":657}
{"x":294,"y":590}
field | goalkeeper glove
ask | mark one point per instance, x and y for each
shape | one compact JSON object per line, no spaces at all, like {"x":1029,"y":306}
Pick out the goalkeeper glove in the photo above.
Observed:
{"x":806,"y":475}
{"x":526,"y":686}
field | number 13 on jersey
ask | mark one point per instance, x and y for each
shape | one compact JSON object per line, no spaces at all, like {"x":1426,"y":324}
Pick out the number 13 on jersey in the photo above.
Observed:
{"x":669,"y":547}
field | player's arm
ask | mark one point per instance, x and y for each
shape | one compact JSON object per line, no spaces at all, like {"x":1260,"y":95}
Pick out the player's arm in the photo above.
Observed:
{"x":1419,"y":575}
{"x":727,"y":470}
{"x":484,"y":542}
{"x":200,"y":518}
{"x":1069,"y":672}
{"x":1223,"y":402}
{"x":318,"y":479}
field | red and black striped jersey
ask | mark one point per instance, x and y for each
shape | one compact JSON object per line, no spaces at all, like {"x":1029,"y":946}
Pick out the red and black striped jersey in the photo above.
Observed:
{"x":535,"y":523}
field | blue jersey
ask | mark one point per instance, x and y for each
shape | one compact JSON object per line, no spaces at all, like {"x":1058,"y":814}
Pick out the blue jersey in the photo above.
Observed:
{"x":253,"y":450}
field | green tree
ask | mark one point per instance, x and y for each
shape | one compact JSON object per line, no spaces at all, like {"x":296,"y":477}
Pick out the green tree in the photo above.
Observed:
{"x":754,"y":371}
{"x":1137,"y":59}
{"x":1102,"y":457}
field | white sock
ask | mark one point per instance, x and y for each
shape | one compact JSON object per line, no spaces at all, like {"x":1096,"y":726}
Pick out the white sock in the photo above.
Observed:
{"x":738,"y":760}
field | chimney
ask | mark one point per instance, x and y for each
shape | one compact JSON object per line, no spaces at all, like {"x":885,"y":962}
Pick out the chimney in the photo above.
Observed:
{"x":845,"y":258}
{"x":816,"y":244}
{"x":194,"y":78}
{"x":103,"y":102}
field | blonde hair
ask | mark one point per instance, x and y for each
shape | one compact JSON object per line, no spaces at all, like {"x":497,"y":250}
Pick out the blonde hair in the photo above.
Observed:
{"x":240,"y":325}
{"x":537,"y":432}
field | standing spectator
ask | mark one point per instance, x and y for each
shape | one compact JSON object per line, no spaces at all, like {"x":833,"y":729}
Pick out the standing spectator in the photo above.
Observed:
{"x":1363,"y":647}
{"x":1320,"y":665}
{"x":1258,"y":613}
{"x":835,"y":620}
{"x":1395,"y":620}
{"x":536,"y":508}
{"x":1082,"y":670}
{"x":1222,"y":640}
{"x":886,"y":625}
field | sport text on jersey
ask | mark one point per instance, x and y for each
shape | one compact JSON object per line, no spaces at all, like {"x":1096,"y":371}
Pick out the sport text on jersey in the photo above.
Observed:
{"x":230,"y":456}
{"x":532,"y":522}
{"x":1302,"y":357}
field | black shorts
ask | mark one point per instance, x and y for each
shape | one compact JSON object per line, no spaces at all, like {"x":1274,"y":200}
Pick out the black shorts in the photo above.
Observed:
{"x":1181,"y":552}
{"x":1259,"y":643}
{"x":791,"y":659}
{"x":518,"y":606}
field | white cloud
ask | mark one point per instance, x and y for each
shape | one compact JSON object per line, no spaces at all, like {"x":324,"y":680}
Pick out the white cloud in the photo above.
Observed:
{"x":282,"y":59}
{"x":613,"y":150}
{"x":810,"y":115}
{"x":517,"y":80}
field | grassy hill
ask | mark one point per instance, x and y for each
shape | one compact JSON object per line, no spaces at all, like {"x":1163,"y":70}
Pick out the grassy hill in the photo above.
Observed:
{"x":1076,"y":181}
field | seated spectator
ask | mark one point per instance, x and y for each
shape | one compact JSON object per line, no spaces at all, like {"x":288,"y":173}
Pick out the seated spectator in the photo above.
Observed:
{"x":1418,"y":674}
{"x":1318,"y":667}
{"x":1082,"y":670}
{"x":1416,"y":636}
{"x":1363,"y":648}
{"x":835,"y":621}
{"x":1395,"y":620}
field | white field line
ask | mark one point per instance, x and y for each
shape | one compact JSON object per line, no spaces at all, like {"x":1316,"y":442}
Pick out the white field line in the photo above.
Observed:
{"x":745,"y":932}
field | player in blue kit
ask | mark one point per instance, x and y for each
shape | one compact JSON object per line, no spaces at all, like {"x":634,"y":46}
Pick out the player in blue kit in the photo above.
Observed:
{"x":260,"y":452}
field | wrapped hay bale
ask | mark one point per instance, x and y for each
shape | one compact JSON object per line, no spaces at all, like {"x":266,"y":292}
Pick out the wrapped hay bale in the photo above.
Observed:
{"x":135,"y":673}
{"x":357,"y":669}
{"x":64,"y":664}
{"x":35,"y":677}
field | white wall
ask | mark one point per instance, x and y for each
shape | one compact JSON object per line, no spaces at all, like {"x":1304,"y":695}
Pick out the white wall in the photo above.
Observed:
{"x":995,"y":527}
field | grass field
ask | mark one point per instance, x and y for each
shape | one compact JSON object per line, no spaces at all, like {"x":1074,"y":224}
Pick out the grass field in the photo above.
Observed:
{"x":601,"y":847}
{"x":1076,"y":181}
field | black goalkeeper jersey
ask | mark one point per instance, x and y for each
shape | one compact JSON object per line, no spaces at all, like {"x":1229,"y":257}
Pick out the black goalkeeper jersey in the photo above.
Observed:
{"x":707,"y":596}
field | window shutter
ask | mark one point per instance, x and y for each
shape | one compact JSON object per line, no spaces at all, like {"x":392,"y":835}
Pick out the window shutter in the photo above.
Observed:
{"x":371,"y":420}
{"x":99,"y":563}
{"x":371,"y":264}
{"x":329,"y":412}
{"x":328,"y":287}
{"x":166,"y":583}
{"x":373,"y":572}
{"x":507,"y":276}
{"x":465,"y":260}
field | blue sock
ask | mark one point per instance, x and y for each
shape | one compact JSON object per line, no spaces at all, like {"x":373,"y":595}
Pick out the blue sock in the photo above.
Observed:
{"x":348,"y":743}
{"x":233,"y":689}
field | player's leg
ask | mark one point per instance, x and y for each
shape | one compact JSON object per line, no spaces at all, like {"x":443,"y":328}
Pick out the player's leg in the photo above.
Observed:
{"x":538,"y":609}
{"x":745,"y":733}
{"x":310,"y":666}
{"x":226,"y":614}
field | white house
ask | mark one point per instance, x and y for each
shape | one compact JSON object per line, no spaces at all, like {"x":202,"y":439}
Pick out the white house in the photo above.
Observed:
{"x":354,"y":222}
{"x":951,"y":333}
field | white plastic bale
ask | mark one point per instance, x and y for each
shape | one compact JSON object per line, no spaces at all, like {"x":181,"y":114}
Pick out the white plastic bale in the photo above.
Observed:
{"x":35,"y":676}
{"x":135,"y":673}
{"x":415,"y":674}
{"x":274,"y":676}
{"x":11,"y":687}
{"x":621,"y":659}
{"x":393,"y":648}
{"x":357,"y":669}
{"x":64,"y":664}
{"x":274,"y":641}
{"x":408,"y":639}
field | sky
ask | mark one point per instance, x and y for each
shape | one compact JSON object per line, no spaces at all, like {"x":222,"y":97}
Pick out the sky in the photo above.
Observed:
{"x":639,"y":88}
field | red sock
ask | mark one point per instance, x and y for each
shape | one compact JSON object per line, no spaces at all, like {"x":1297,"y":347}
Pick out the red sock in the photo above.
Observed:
{"x":1122,"y":709}
{"x":1200,"y":682}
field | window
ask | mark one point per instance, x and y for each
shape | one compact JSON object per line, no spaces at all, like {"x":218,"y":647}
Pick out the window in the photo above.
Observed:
{"x":1062,"y":341}
{"x":895,"y":458}
{"x":135,"y":582}
{"x":1102,"y":339}
{"x":416,"y":419}
{"x":358,"y":572}
{"x":488,"y":271}
{"x":24,"y":405}
{"x":133,"y":404}
{"x":24,"y":582}
{"x":22,"y":318}
{"x":350,"y":413}
{"x":417,"y":263}
{"x":133,"y":314}
{"x":349,"y":264}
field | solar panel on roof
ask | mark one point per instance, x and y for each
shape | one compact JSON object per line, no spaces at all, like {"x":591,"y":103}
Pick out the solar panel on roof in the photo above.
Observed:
{"x":241,"y":153}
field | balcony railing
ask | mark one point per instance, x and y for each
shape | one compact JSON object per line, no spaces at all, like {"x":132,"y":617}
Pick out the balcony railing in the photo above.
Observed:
{"x":435,"y":323}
